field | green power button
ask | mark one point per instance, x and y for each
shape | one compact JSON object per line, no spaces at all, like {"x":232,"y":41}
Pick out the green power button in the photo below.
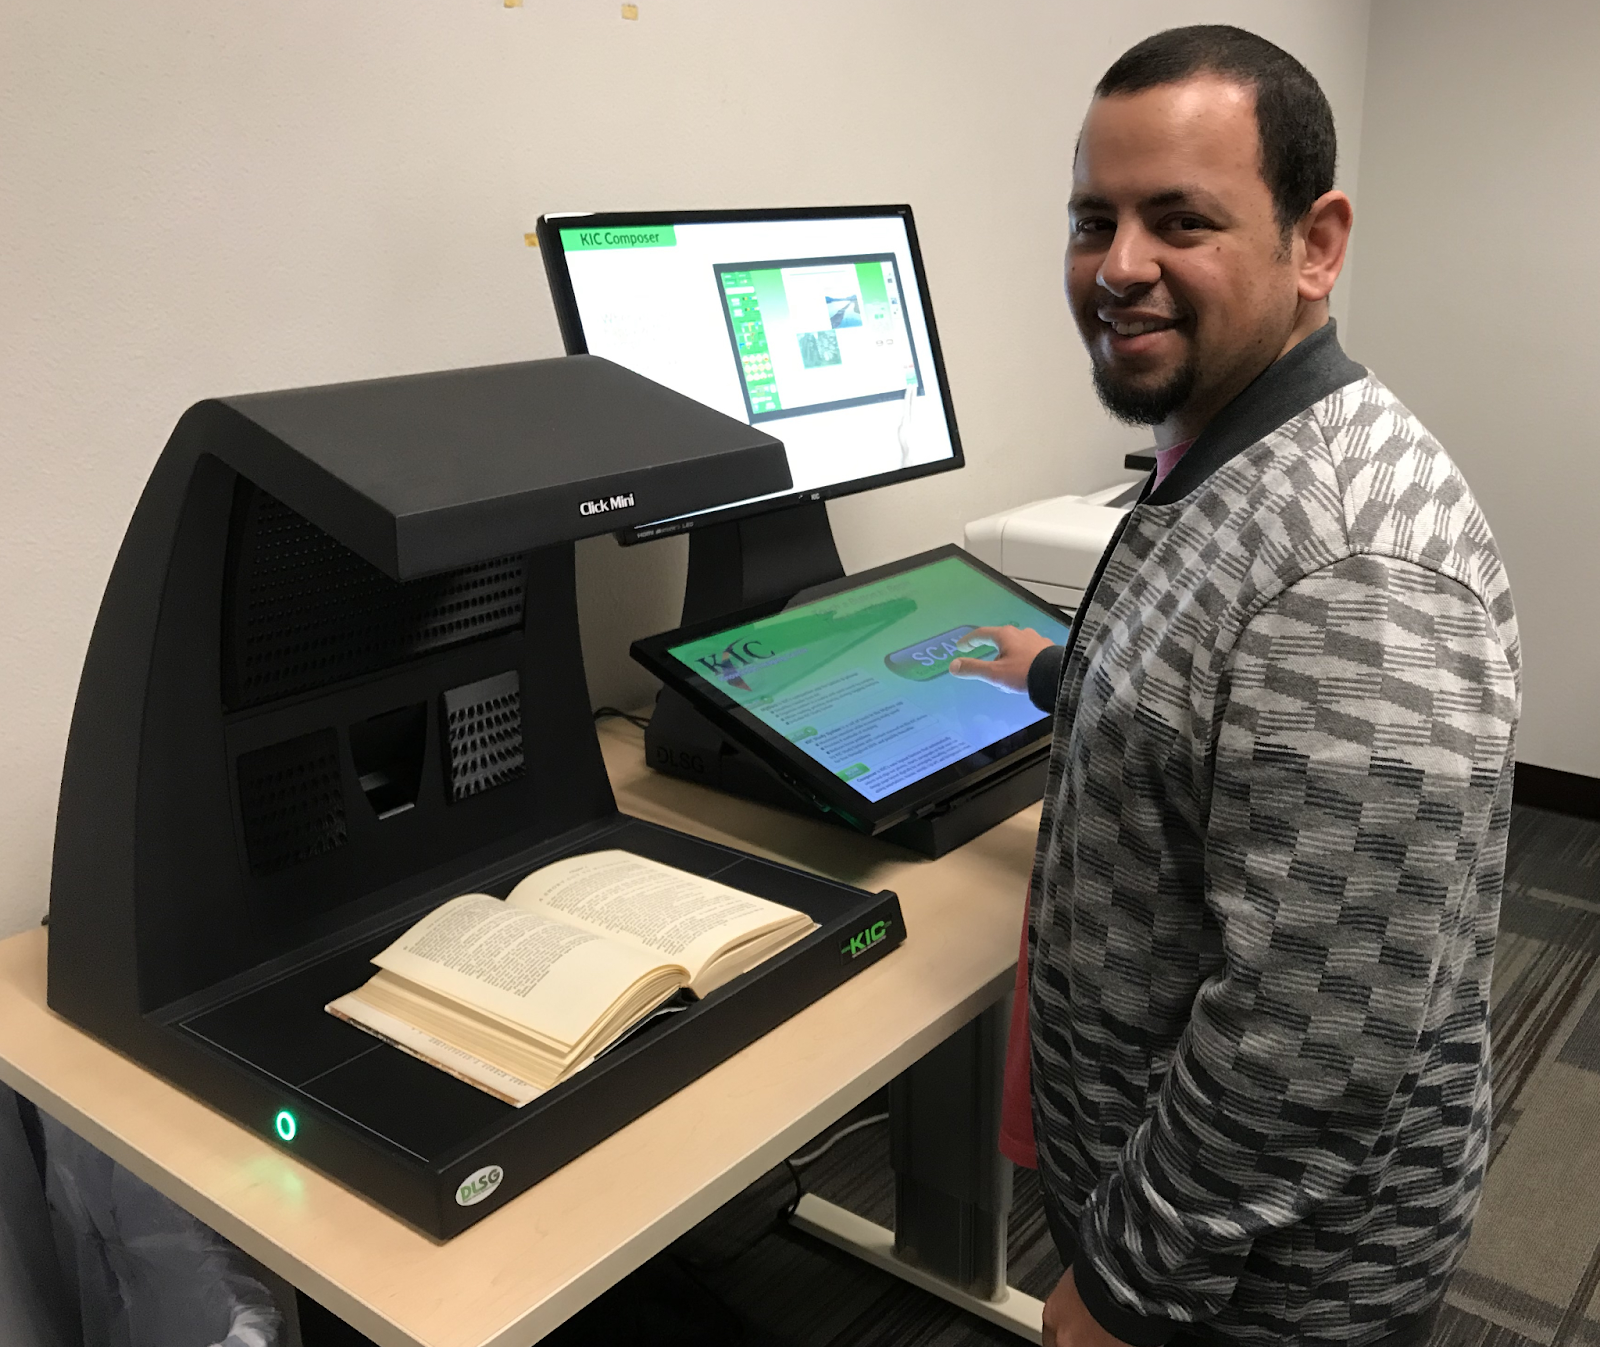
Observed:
{"x":285,"y":1125}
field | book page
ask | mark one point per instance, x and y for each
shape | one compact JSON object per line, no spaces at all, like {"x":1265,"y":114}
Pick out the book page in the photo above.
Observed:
{"x":458,"y":1062}
{"x":669,"y":912}
{"x":545,"y":976}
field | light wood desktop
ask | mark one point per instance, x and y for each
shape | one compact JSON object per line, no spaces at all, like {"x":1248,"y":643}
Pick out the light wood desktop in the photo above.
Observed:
{"x":513,"y":1277}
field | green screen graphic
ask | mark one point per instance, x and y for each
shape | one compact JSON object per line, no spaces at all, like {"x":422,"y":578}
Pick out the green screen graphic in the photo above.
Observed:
{"x":634,"y":236}
{"x":752,"y":296}
{"x":818,"y":333}
{"x":860,"y":682}
{"x":930,"y":658}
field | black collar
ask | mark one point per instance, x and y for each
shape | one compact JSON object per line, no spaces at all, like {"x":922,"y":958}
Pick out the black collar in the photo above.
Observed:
{"x":1303,"y":377}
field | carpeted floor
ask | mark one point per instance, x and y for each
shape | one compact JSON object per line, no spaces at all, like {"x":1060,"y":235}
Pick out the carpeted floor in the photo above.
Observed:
{"x":1531,"y":1271}
{"x":1530,"y":1275}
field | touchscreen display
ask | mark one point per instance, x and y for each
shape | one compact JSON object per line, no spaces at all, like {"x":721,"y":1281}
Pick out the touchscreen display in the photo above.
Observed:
{"x":860,"y":680}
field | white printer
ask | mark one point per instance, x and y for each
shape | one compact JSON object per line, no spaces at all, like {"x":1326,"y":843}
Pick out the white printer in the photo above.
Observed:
{"x":1052,"y":546}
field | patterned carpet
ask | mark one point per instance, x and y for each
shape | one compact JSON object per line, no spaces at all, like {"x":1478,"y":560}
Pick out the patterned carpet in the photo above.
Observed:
{"x":1530,"y":1276}
{"x":1534,"y":1263}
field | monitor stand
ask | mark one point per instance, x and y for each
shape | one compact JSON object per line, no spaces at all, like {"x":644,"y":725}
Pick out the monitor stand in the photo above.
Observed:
{"x":736,"y":565}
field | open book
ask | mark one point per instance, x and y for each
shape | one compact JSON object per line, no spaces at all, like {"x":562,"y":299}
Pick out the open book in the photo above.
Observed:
{"x":514,"y":995}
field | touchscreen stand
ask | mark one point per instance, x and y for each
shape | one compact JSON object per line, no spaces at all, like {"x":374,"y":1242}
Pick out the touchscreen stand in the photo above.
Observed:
{"x":683,"y":743}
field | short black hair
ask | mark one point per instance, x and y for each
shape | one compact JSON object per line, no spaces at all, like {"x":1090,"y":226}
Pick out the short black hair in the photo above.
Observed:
{"x":1299,"y":149}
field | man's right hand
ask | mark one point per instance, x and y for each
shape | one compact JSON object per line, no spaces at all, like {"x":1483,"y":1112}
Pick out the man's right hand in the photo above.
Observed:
{"x":1017,"y":648}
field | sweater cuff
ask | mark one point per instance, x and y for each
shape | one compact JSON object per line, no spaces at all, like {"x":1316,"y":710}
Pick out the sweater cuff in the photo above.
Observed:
{"x":1139,"y":1330}
{"x":1044,"y":678}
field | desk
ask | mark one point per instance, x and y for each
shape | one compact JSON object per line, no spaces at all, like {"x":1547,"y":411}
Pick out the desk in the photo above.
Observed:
{"x":512,"y":1278}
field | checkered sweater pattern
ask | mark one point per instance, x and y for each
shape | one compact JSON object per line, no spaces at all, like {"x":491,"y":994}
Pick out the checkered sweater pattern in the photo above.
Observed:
{"x":1264,"y":905}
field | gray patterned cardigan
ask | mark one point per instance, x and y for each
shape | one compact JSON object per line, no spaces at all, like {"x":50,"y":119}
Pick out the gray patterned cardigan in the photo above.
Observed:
{"x":1263,"y":909}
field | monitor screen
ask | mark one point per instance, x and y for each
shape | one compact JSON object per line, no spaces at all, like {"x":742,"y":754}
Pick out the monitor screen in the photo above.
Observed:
{"x":859,"y":681}
{"x":814,"y":324}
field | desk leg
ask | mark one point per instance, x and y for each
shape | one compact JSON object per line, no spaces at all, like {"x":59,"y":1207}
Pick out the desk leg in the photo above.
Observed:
{"x":952,"y":1185}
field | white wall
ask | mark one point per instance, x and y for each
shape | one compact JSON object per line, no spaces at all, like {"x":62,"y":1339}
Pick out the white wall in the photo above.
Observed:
{"x":1476,"y":301}
{"x":209,"y":199}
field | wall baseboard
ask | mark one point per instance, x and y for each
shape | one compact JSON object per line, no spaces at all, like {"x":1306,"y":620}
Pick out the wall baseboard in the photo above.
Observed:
{"x":1563,"y":792}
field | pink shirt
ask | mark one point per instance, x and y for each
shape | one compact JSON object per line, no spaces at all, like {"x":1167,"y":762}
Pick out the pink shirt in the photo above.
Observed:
{"x":1167,"y":460}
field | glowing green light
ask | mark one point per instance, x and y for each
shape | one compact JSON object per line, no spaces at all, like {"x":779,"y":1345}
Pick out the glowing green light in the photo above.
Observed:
{"x":285,"y":1124}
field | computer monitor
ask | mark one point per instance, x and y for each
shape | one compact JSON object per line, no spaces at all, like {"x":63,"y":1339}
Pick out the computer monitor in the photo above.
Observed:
{"x":813,"y":323}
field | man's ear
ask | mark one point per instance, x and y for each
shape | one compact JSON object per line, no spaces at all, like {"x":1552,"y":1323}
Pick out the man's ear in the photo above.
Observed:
{"x":1324,"y":234}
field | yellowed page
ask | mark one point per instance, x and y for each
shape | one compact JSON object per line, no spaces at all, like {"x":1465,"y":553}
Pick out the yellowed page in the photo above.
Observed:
{"x":542,"y":974}
{"x":657,"y":907}
{"x":457,"y":1061}
{"x":519,"y":1051}
{"x":742,"y":958}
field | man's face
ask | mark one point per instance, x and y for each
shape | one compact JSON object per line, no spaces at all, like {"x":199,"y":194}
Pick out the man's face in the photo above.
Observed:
{"x":1179,"y":278}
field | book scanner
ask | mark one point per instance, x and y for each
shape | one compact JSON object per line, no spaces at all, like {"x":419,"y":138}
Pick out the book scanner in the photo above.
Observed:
{"x":334,"y":681}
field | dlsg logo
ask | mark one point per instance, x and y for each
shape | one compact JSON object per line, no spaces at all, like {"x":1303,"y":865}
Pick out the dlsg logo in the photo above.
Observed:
{"x":478,"y":1186}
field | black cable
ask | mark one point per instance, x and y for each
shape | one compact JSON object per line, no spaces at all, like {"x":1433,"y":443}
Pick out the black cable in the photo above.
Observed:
{"x":610,"y":712}
{"x":793,"y":1164}
{"x":799,"y":1192}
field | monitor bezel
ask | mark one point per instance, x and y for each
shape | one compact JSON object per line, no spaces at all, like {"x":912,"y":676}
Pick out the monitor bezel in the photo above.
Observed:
{"x":805,"y":774}
{"x":548,"y":233}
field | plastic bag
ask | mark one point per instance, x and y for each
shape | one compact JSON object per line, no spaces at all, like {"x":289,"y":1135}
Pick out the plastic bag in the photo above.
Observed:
{"x":140,"y":1270}
{"x":35,"y":1310}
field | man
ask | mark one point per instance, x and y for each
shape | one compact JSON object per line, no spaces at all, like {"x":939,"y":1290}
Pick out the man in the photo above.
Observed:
{"x":1264,"y":903}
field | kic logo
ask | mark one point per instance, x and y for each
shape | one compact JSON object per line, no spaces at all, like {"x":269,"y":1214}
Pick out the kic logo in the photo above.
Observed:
{"x":606,"y":504}
{"x":862,"y":941}
{"x":726,"y":664}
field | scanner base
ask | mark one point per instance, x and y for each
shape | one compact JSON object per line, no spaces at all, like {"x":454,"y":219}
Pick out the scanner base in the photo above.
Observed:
{"x":409,"y":1136}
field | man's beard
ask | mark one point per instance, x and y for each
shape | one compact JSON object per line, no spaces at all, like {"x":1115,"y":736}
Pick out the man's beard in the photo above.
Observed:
{"x":1144,"y":405}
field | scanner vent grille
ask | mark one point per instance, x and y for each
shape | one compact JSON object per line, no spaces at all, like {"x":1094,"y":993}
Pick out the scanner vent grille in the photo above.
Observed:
{"x":483,"y":729}
{"x":292,"y":802}
{"x":307,"y":611}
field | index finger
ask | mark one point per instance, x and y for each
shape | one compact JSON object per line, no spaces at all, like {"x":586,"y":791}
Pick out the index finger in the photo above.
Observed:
{"x":980,"y":634}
